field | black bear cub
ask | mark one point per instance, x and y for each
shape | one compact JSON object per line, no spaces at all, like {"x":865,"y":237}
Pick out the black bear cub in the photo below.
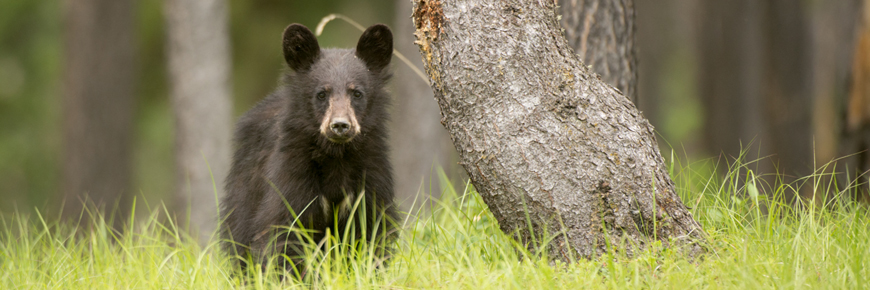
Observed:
{"x":316,"y":145}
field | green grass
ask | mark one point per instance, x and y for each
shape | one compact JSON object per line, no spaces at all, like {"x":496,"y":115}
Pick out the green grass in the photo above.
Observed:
{"x":754,"y":241}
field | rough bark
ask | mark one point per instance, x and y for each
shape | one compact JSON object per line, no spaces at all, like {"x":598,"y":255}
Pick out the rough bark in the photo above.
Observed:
{"x":602,"y":34}
{"x":98,"y":101}
{"x":419,"y":143}
{"x":551,"y":148}
{"x":199,"y":69}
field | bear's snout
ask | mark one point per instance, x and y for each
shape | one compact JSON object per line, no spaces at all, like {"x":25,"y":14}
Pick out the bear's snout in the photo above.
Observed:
{"x":339,"y":124}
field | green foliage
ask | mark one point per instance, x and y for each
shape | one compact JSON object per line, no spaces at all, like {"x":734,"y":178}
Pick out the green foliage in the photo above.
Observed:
{"x":755,"y":242}
{"x":29,"y":80}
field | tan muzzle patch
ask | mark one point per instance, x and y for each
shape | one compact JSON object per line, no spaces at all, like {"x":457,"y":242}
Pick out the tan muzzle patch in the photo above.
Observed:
{"x":339,"y":123}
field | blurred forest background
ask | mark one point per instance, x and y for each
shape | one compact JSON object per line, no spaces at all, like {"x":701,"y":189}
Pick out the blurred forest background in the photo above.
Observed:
{"x":791,"y":78}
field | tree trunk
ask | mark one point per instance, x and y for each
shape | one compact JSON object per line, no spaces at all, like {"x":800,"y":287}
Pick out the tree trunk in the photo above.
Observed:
{"x":730,"y":78}
{"x":788,"y":88}
{"x":856,"y":133}
{"x":657,"y":34}
{"x":419,"y":143}
{"x":551,"y":148}
{"x":833,"y":29}
{"x":666,"y":72}
{"x":602,"y":34}
{"x":99,"y":79}
{"x":199,"y":66}
{"x":756,"y":84}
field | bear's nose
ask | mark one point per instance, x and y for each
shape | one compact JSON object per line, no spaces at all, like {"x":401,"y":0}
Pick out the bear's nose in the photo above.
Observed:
{"x":339,"y":126}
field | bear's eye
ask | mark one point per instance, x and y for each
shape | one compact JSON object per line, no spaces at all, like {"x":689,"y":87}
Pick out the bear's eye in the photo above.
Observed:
{"x":357,"y":94}
{"x":321,"y":95}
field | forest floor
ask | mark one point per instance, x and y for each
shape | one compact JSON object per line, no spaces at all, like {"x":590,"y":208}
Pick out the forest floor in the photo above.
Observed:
{"x":754,"y":242}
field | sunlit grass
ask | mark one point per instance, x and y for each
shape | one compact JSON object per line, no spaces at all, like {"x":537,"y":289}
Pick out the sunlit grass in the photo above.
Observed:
{"x":756,"y":241}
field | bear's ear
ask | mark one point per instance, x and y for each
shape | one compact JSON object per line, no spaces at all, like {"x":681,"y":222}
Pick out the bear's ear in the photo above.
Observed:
{"x":300,"y":47}
{"x":375,"y":47}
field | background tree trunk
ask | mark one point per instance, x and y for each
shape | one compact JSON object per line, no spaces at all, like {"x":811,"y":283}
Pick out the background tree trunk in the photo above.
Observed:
{"x":667,"y":73}
{"x":756,"y":66}
{"x":199,"y":69}
{"x":657,"y":35}
{"x":99,"y":89}
{"x":833,"y":28}
{"x":730,"y":79}
{"x":788,"y":88}
{"x":419,"y":143}
{"x":552,"y":149}
{"x":602,"y":33}
{"x":856,"y":133}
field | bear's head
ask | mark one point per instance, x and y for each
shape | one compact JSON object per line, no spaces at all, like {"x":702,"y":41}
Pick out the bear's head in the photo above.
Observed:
{"x":341,"y":88}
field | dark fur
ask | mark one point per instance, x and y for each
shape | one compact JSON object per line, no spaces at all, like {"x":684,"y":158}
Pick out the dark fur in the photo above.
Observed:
{"x":281,"y":154}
